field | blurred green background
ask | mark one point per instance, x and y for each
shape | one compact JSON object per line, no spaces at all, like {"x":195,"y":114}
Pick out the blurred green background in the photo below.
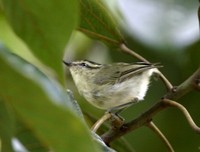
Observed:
{"x":161,"y":31}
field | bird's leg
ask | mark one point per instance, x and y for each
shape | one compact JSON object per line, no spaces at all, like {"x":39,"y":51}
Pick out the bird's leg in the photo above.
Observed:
{"x":118,"y":109}
{"x":112,"y":114}
{"x":117,"y":120}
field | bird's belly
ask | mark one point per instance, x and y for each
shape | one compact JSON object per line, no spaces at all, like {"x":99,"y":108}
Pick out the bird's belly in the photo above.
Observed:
{"x":119,"y":94}
{"x":111,"y":98}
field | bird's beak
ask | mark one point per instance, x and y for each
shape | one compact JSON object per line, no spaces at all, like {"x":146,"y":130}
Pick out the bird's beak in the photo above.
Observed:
{"x":67,"y":63}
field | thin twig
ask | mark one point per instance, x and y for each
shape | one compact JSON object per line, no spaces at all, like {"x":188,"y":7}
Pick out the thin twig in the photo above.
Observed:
{"x":155,"y":129}
{"x":127,"y":50}
{"x":104,"y":118}
{"x":185,"y":113}
{"x":192,"y":83}
{"x":113,"y":134}
{"x":168,"y":85}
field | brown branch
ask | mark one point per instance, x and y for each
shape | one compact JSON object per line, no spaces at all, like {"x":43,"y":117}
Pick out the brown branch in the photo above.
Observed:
{"x":104,"y":118}
{"x":177,"y":93}
{"x":127,"y":50}
{"x":185,"y":113}
{"x":192,"y":83}
{"x":113,"y":133}
{"x":155,"y":129}
{"x":99,"y":36}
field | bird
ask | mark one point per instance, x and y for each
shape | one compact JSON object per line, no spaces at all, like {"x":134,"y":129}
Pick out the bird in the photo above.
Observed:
{"x":114,"y":86}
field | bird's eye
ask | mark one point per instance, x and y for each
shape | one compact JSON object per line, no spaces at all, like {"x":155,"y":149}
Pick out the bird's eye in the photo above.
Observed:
{"x":83,"y":64}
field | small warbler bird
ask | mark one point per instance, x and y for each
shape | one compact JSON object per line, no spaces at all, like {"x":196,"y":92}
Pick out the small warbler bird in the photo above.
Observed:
{"x":112,"y":86}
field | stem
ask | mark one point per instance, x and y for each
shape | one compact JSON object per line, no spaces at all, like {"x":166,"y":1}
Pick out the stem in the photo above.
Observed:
{"x":192,"y":83}
{"x":125,"y":49}
{"x":105,"y":117}
{"x":185,"y":113}
{"x":155,"y":129}
{"x":144,"y":118}
{"x":165,"y":81}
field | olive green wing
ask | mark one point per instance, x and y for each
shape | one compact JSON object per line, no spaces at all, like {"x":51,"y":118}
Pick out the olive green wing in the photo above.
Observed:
{"x":107,"y":75}
{"x":119,"y":72}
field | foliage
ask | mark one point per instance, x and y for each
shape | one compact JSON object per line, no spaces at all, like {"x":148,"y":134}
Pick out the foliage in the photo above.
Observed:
{"x":35,"y":107}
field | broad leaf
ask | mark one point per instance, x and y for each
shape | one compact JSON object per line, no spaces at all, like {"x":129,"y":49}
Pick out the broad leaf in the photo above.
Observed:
{"x":44,"y":25}
{"x":29,"y":140}
{"x":41,"y":105}
{"x":97,"y":22}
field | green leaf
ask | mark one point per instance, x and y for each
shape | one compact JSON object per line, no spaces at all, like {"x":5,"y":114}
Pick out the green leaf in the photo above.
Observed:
{"x":14,"y":43}
{"x":6,"y":127}
{"x":29,"y":140}
{"x":41,"y":106}
{"x":98,"y":22}
{"x":44,"y":25}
